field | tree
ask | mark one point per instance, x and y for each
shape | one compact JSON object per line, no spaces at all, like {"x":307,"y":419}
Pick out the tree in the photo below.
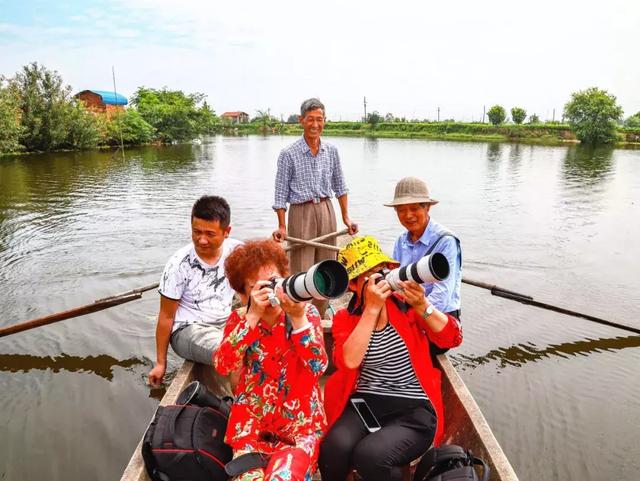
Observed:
{"x":45,"y":107}
{"x":374,"y":118}
{"x":264,"y":120}
{"x":10,"y":114}
{"x":207,"y":120}
{"x":633,"y":122}
{"x":518,"y":114}
{"x":173,"y":114}
{"x":293,"y":119}
{"x":496,"y":115}
{"x":534,"y":119}
{"x":82,"y":127}
{"x":389,"y":117}
{"x":593,"y":114}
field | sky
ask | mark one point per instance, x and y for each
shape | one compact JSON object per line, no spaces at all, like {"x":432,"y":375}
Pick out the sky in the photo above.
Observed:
{"x":408,"y":58}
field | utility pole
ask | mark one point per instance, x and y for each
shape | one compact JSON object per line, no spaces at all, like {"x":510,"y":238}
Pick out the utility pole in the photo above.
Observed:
{"x":438,"y":114}
{"x":554,"y":116}
{"x":115,"y":94}
{"x":484,"y":111}
{"x":365,"y":109}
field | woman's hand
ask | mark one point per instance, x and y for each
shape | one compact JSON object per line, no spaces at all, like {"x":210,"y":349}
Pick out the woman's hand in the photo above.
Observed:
{"x":413,"y":294}
{"x":375,"y":294}
{"x":295,"y":310}
{"x":259,"y":301}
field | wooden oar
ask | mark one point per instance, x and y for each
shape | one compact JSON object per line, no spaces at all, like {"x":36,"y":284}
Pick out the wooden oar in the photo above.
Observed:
{"x":506,"y":294}
{"x":298,"y":243}
{"x":75,"y":312}
{"x":525,"y":299}
{"x":115,"y":300}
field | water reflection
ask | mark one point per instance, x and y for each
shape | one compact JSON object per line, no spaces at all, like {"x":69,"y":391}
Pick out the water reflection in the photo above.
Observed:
{"x":521,"y":354}
{"x":494,"y":151}
{"x":588,"y":165}
{"x":101,"y":365}
{"x":370,"y":146}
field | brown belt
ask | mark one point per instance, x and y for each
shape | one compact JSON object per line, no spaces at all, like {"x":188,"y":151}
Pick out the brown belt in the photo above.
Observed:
{"x":314,"y":201}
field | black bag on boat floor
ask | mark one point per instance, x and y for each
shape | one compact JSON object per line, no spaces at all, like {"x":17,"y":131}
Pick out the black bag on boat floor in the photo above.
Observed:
{"x":186,"y":441}
{"x":450,"y":463}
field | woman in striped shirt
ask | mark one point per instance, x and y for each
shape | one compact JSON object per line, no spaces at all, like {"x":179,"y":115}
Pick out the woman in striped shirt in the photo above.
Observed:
{"x":382,"y":356}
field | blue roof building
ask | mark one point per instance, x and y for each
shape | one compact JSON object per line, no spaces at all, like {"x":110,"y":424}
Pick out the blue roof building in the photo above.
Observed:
{"x":102,"y":99}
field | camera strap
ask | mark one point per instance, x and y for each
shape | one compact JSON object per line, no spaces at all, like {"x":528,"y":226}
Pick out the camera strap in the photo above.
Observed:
{"x":446,"y":234}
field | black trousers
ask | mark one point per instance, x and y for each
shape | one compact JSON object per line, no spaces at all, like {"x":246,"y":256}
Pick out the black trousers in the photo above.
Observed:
{"x":408,"y":429}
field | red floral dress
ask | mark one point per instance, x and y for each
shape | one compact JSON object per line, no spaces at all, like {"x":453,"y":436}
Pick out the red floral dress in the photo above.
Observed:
{"x":278,"y":395}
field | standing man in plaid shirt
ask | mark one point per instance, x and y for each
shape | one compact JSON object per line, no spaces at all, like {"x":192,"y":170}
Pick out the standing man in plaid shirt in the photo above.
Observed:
{"x":309,"y":171}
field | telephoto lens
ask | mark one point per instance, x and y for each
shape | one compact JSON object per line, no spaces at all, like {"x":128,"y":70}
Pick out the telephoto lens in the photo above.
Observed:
{"x":324,"y":280}
{"x":429,"y":269}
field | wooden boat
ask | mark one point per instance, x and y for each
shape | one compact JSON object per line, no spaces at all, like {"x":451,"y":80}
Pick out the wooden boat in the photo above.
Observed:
{"x":464,"y":423}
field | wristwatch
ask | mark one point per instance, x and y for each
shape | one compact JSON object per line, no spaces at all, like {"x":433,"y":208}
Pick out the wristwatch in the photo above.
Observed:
{"x":428,"y":311}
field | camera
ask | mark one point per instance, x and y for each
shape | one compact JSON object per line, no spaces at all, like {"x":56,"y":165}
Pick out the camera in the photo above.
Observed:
{"x":324,"y":280}
{"x":431,"y":268}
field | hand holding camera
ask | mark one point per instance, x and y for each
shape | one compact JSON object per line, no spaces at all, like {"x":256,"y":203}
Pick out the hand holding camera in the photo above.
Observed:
{"x":376,"y":291}
{"x":259,"y":299}
{"x":413,"y":294}
{"x":295,"y":310}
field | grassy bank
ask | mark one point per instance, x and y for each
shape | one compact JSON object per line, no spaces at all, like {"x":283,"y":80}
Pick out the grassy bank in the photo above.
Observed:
{"x":547,"y":134}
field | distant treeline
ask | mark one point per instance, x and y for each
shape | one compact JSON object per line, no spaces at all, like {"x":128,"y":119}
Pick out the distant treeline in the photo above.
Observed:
{"x":39,"y":114}
{"x":546,"y":133}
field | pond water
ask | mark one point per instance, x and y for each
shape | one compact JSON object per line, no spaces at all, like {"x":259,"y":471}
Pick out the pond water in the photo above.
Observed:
{"x":558,"y":223}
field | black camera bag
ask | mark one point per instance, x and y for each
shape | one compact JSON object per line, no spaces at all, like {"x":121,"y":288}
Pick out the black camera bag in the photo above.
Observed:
{"x":450,"y":463}
{"x":186,"y":442}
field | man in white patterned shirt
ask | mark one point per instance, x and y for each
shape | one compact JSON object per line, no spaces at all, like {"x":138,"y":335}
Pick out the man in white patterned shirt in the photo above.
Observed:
{"x":309,"y":172}
{"x":195,"y":295}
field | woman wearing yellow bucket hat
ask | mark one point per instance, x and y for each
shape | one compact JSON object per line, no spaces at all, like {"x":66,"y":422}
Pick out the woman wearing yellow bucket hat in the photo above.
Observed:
{"x":382,"y":357}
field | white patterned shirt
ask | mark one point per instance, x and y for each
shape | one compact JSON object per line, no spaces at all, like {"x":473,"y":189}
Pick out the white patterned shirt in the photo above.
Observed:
{"x":203,"y":291}
{"x":302,"y":176}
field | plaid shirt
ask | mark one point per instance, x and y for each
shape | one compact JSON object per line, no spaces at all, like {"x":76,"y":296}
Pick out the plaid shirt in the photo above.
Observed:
{"x":302,"y":177}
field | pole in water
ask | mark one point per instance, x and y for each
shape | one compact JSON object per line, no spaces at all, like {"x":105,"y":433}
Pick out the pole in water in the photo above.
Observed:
{"x":115,"y":94}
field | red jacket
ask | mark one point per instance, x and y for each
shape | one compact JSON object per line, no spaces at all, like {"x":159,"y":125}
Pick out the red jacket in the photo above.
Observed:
{"x":415,"y":334}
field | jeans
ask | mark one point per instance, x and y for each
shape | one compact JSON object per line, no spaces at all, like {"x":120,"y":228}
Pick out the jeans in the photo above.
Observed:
{"x":197,"y":342}
{"x":408,"y":429}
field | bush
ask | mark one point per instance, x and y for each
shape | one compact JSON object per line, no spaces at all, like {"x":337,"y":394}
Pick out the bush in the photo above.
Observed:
{"x":135,"y":130}
{"x":534,"y":119}
{"x":518,"y":114}
{"x":593,"y":115}
{"x":496,"y":115}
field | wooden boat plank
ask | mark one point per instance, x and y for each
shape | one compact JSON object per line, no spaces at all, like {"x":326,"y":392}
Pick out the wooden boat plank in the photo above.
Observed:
{"x":466,"y":426}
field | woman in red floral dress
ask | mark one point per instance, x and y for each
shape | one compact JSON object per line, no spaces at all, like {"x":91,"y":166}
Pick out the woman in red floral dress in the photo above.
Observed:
{"x":280,"y":355}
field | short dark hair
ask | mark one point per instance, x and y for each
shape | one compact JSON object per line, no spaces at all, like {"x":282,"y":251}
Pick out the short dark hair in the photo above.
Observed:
{"x":212,"y":207}
{"x":311,"y":104}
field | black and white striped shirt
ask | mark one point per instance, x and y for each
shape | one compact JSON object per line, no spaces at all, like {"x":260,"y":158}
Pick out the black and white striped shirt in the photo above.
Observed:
{"x":386,"y":369}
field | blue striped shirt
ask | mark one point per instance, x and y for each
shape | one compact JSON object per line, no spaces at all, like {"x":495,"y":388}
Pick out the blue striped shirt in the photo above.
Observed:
{"x":444,"y":295}
{"x":302,"y":176}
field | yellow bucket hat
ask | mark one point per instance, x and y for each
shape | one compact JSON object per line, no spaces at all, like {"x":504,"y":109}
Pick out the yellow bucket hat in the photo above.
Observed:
{"x":362,"y":254}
